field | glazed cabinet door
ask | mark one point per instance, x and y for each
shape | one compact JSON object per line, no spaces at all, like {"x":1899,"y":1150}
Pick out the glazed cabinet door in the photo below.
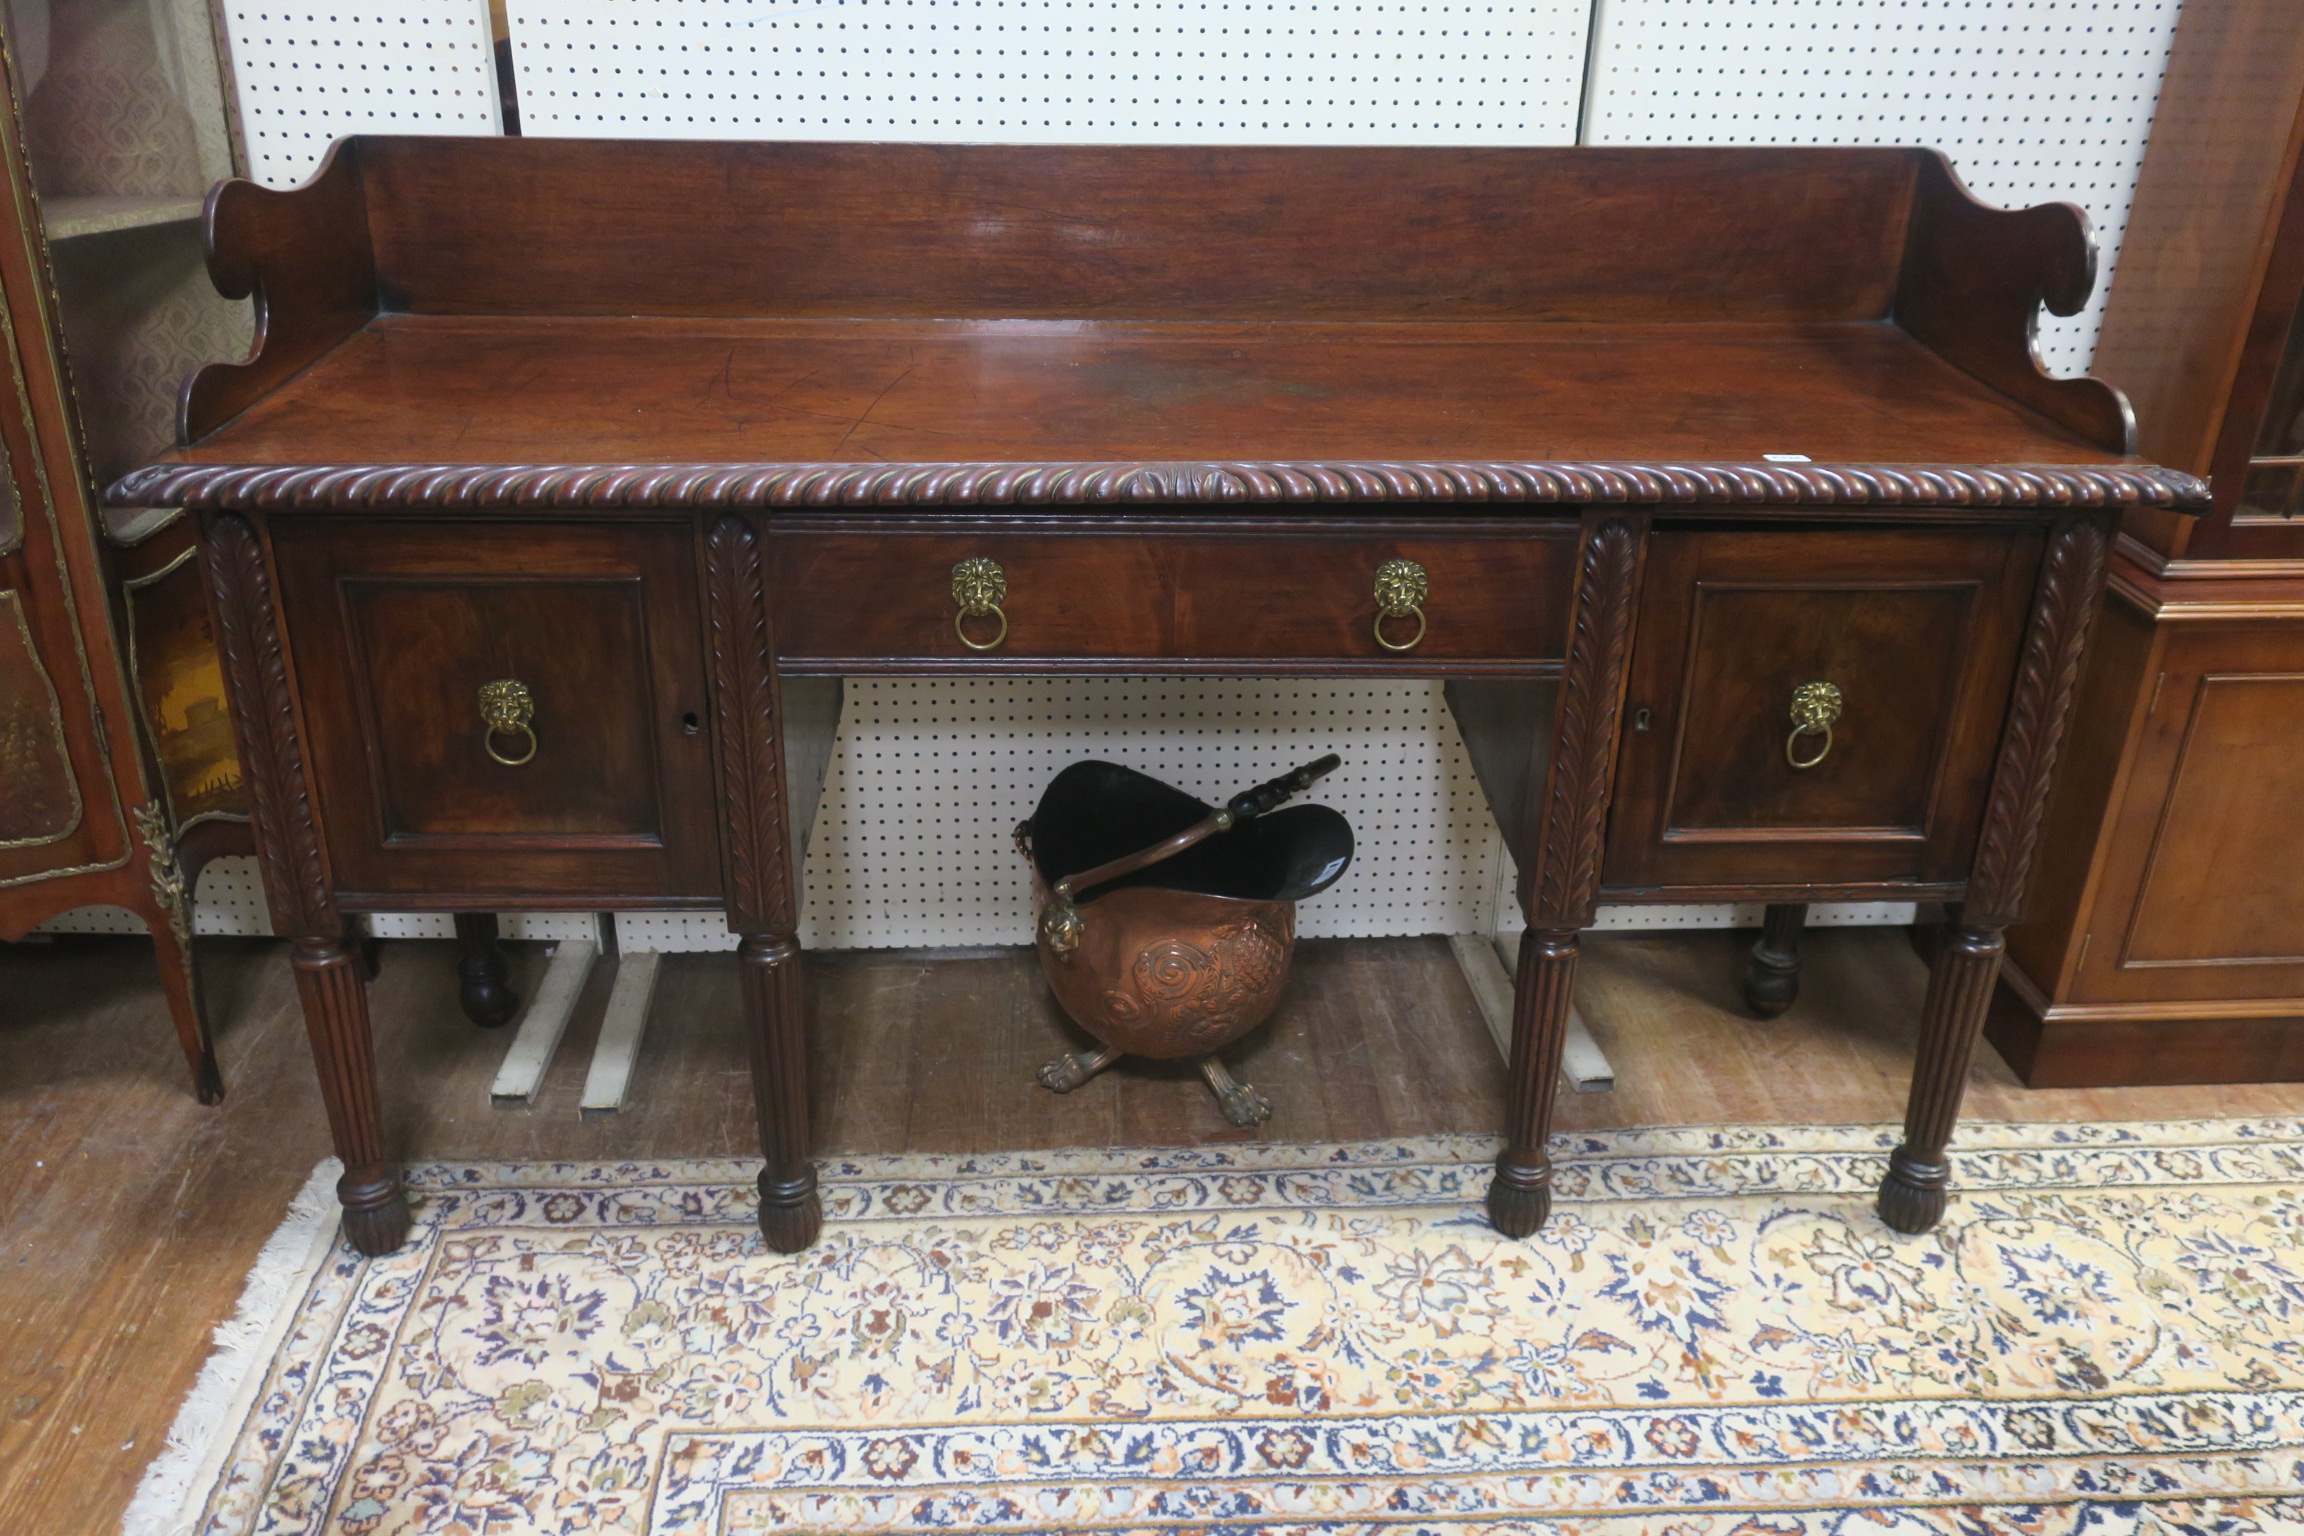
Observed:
{"x":504,"y":709}
{"x":1809,"y":706}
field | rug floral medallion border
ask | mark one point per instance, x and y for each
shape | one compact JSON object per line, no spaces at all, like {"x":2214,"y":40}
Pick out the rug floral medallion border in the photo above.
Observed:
{"x":1714,"y":1336}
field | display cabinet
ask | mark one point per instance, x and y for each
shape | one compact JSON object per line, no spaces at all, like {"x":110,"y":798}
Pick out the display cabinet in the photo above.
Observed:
{"x":118,"y":773}
{"x":2167,"y":941}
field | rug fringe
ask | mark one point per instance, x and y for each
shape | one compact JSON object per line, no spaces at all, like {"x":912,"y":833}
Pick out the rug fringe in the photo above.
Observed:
{"x":176,"y":1484}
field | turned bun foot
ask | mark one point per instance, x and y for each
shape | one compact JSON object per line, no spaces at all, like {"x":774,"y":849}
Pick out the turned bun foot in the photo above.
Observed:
{"x":1519,"y":1199}
{"x":791,"y":1211}
{"x":1913,"y":1195}
{"x":375,"y":1212}
{"x":482,"y":974}
{"x":1772,"y":975}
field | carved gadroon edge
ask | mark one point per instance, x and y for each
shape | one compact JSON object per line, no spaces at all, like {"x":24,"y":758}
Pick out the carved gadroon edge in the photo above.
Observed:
{"x":264,"y":712}
{"x":1591,"y":695}
{"x":2048,"y":676}
{"x":744,"y":704}
{"x":287,"y":487}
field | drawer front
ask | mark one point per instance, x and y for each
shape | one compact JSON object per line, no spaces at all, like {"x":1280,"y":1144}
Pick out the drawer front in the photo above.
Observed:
{"x":1916,"y":634}
{"x":881,"y":599}
{"x":605,"y":788}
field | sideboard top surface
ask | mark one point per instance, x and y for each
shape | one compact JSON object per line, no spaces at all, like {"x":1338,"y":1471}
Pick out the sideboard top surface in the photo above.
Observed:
{"x":1142,"y":324}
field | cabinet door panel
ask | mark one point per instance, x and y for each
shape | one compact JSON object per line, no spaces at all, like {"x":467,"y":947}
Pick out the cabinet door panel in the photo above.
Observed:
{"x":396,"y":628}
{"x":1915,"y":632}
{"x":2209,"y":896}
{"x":2202,"y":891}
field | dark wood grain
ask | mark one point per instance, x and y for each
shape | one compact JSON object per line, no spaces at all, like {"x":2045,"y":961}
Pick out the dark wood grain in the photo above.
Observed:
{"x":2039,"y":714}
{"x":397,"y":627}
{"x":734,"y":228}
{"x":863,"y":598}
{"x":763,"y":875}
{"x":264,"y":719}
{"x":1560,"y":845}
{"x":1978,"y":312}
{"x":2206,"y":285}
{"x":304,"y":257}
{"x":1917,"y":629}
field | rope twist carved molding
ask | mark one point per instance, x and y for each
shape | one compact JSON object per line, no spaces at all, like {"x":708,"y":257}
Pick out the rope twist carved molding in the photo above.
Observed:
{"x":418,"y":486}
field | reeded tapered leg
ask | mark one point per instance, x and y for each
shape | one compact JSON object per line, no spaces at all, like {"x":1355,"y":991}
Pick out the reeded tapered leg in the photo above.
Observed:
{"x":1959,"y":991}
{"x":481,"y":972}
{"x":1520,"y":1195}
{"x":336,"y":1019}
{"x":180,"y":982}
{"x":1772,"y":975}
{"x":776,"y":1022}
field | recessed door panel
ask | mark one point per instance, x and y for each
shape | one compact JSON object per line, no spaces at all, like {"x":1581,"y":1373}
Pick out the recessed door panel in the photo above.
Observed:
{"x":503,"y":709}
{"x":1812,"y":706}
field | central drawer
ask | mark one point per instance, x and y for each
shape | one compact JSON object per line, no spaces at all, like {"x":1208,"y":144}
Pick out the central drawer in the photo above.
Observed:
{"x":987,"y":593}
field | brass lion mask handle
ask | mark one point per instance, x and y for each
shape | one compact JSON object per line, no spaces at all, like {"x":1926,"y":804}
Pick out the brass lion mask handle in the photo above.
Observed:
{"x":1402,"y":588}
{"x":979,"y":586}
{"x":1814,"y":707}
{"x":509,"y":710}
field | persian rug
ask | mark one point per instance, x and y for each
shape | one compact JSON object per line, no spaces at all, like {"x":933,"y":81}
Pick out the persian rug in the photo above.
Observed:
{"x":1714,"y":1336}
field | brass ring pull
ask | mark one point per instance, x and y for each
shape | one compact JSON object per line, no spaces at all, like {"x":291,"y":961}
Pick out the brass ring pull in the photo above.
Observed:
{"x":1402,"y":587}
{"x":509,"y":709}
{"x":979,"y":586}
{"x":1814,"y":707}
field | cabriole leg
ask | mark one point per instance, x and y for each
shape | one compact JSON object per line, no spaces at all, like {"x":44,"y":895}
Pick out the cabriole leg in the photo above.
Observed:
{"x":1912,"y":1196}
{"x":481,"y":972}
{"x":1772,"y":975}
{"x":180,"y":982}
{"x":336,"y":1018}
{"x":1520,"y":1195}
{"x":776,"y":1022}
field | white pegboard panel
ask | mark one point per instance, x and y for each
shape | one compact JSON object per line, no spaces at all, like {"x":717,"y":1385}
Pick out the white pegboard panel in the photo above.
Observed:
{"x":2033,"y":100}
{"x":1054,"y":71}
{"x":913,"y":841}
{"x":308,"y":74}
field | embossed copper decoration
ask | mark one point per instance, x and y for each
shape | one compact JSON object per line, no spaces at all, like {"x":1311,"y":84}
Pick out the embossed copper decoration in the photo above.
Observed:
{"x":1165,"y":925}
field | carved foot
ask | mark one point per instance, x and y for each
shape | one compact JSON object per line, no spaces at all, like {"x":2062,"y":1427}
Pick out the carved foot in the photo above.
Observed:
{"x":791,"y":1211}
{"x":207,"y":1080}
{"x":375,"y":1212}
{"x":482,"y":972}
{"x":1068,"y":1072}
{"x":1514,"y":1207}
{"x":1242,"y":1104}
{"x":1913,"y":1195}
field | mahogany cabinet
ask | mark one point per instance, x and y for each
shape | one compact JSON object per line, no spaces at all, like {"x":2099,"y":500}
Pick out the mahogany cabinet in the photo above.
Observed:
{"x":571,"y":476}
{"x":2168,"y":940}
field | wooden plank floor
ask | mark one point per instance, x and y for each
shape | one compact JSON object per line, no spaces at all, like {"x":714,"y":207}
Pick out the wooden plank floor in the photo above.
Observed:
{"x":129,"y":1214}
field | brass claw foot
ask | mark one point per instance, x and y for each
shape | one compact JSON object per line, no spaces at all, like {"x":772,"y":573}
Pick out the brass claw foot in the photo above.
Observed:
{"x":1242,"y":1104}
{"x":1068,"y":1072}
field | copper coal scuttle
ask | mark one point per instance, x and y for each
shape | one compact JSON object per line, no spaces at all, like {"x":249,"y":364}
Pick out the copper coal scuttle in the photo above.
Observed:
{"x":1165,"y":924}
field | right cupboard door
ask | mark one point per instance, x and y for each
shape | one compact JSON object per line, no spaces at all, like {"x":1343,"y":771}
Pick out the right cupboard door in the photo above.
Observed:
{"x":1813,"y":707}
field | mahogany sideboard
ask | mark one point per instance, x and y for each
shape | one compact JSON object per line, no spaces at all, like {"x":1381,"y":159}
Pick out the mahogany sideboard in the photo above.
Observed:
{"x":569,"y":478}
